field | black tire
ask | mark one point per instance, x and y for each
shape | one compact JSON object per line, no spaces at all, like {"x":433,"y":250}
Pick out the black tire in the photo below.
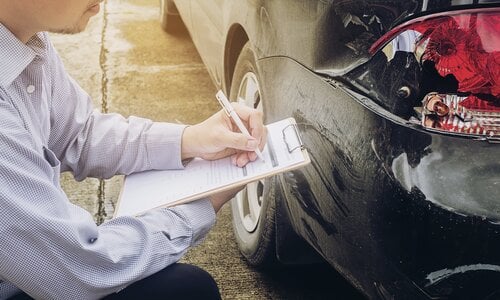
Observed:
{"x":257,"y":246}
{"x":170,"y":19}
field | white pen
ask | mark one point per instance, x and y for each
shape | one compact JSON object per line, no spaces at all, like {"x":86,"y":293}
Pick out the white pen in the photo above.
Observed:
{"x":230,"y":112}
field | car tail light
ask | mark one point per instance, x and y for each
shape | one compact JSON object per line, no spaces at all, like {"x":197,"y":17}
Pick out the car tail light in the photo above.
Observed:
{"x":462,"y":50}
{"x":460,"y":114}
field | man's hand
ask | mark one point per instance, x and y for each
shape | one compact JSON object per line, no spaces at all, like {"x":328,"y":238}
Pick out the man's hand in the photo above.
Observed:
{"x":218,"y":137}
{"x":219,"y":199}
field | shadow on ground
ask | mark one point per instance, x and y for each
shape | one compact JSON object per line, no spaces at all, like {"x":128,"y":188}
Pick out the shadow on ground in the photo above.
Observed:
{"x":321,"y":280}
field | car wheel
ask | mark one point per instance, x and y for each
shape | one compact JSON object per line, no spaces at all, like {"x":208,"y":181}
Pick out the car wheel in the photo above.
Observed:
{"x":253,"y":209}
{"x":170,"y":19}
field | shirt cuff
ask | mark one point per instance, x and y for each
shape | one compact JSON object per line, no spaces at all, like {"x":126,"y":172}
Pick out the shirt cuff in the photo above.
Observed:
{"x":163,"y":145}
{"x":201,"y":216}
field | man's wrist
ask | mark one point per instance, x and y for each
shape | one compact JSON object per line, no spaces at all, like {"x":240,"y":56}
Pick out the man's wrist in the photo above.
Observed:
{"x":216,"y":202}
{"x":188,"y":143}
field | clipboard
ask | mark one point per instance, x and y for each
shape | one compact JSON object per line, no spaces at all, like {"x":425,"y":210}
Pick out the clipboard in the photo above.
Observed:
{"x":284,"y":151}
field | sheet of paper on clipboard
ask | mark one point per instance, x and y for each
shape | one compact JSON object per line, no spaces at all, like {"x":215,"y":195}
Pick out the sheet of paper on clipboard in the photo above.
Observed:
{"x":143,"y":191}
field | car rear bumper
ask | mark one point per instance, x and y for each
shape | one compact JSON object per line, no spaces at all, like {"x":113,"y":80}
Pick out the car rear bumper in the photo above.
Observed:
{"x":399,"y":211}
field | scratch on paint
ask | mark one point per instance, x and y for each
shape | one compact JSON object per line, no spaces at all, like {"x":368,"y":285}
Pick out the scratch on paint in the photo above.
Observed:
{"x":437,"y":276}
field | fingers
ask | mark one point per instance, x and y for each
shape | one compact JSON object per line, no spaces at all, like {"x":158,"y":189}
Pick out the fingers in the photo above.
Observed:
{"x":263,"y":138}
{"x":239,"y":141}
{"x":218,"y":137}
{"x":240,"y":159}
{"x":253,"y":118}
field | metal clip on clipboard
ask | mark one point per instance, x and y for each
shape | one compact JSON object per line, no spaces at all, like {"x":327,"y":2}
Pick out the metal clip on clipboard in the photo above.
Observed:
{"x":297,"y":141}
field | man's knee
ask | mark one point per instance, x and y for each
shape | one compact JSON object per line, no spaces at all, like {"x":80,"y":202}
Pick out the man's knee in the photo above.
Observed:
{"x":178,"y":281}
{"x":196,"y":281}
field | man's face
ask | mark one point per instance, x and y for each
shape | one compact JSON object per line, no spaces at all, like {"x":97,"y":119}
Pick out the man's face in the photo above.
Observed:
{"x":63,"y":16}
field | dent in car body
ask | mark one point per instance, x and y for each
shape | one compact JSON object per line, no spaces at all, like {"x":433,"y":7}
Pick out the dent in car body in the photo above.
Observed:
{"x":342,"y":198}
{"x":345,"y":195}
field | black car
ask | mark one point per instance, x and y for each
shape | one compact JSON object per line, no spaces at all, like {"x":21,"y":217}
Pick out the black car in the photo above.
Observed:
{"x":398,"y":104}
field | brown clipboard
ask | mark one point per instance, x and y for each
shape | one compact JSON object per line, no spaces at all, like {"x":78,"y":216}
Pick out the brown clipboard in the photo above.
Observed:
{"x":286,"y":136}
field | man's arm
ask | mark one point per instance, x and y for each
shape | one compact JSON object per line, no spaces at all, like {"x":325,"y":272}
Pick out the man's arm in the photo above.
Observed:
{"x":91,"y":143}
{"x":53,"y":249}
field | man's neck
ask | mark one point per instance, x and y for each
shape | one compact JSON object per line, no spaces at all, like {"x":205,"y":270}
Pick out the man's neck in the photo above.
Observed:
{"x":15,"y":23}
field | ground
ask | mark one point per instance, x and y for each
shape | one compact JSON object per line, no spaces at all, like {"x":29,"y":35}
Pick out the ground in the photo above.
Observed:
{"x":130,"y":66}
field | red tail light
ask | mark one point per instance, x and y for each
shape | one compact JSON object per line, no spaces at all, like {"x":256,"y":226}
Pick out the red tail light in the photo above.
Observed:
{"x":465,"y":45}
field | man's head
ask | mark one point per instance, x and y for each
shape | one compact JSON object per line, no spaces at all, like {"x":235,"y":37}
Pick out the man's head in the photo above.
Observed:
{"x":27,"y":17}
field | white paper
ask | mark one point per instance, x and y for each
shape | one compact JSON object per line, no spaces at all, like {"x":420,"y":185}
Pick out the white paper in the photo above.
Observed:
{"x":151,"y":189}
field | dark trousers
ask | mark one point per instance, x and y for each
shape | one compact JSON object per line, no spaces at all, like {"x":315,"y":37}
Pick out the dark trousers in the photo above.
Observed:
{"x":178,"y":281}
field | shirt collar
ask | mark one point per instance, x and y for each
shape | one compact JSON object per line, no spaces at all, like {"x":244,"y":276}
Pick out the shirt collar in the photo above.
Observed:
{"x":15,"y":56}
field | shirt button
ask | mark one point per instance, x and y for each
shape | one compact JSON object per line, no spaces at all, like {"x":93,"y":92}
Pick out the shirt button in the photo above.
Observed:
{"x":30,"y":89}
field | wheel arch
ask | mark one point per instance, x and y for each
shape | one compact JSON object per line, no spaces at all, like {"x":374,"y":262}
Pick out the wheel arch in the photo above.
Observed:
{"x":236,"y":38}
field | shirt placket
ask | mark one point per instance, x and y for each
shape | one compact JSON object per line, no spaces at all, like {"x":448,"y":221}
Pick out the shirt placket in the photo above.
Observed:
{"x":37,"y":94}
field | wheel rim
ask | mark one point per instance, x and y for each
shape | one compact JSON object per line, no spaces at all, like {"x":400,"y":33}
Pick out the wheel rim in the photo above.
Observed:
{"x":249,"y":200}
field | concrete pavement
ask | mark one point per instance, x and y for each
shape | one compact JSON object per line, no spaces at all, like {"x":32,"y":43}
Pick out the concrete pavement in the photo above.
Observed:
{"x":130,"y":66}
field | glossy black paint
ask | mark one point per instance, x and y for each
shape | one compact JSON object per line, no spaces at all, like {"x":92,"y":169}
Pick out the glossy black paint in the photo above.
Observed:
{"x":402,"y":213}
{"x":358,"y":209}
{"x":333,"y":202}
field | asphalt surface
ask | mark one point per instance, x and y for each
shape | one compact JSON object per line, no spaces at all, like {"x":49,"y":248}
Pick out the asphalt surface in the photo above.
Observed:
{"x":128,"y":65}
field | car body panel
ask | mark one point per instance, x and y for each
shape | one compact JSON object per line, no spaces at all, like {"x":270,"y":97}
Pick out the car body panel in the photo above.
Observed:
{"x":399,"y":211}
{"x":207,"y":29}
{"x":355,"y":208}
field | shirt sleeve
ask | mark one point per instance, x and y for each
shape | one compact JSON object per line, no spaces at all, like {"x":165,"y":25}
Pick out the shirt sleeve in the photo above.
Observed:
{"x":91,"y":143}
{"x":52,"y":249}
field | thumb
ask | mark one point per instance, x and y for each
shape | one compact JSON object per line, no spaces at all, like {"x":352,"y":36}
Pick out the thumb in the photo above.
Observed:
{"x":239,"y":141}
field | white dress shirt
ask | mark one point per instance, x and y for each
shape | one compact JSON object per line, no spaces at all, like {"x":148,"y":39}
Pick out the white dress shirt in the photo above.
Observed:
{"x":50,"y":248}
